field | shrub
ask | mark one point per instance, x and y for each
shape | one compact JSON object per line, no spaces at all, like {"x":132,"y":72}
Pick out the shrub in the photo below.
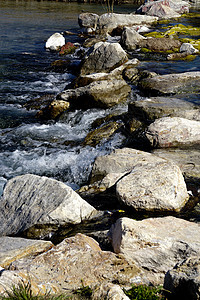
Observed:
{"x":67,"y":49}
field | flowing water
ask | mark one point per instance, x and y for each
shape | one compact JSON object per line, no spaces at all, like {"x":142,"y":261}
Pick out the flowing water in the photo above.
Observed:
{"x":54,"y":148}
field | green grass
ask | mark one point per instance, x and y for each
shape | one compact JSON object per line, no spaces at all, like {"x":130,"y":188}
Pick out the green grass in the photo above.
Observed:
{"x":144,"y":292}
{"x":24,"y":292}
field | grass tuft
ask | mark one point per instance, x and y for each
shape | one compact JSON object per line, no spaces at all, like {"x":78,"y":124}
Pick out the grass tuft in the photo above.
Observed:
{"x":144,"y":292}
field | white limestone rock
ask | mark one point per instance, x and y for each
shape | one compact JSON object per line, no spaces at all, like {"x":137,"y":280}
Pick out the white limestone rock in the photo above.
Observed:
{"x":55,"y":41}
{"x":173,"y":132}
{"x":156,"y":244}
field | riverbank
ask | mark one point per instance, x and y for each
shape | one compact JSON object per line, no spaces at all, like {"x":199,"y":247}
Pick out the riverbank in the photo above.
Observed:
{"x":128,"y":181}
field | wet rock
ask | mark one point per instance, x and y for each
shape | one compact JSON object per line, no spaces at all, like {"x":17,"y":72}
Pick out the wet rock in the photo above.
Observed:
{"x":181,"y":56}
{"x":131,"y":74}
{"x":16,"y":248}
{"x":53,"y":110}
{"x":134,"y":124}
{"x":130,"y":38}
{"x":160,"y":44}
{"x":104,"y":57}
{"x":173,"y":132}
{"x":162,"y":84}
{"x":109,"y":291}
{"x":30,"y":199}
{"x":183,"y":281}
{"x":103,"y":133}
{"x":60,"y":65}
{"x":55,"y":41}
{"x":75,"y":262}
{"x":156,"y":244}
{"x":103,"y":93}
{"x":92,"y":41}
{"x":149,"y":109}
{"x":39,"y":103}
{"x":158,"y":187}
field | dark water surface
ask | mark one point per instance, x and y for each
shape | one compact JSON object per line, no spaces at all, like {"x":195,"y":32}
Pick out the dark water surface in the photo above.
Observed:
{"x":27,"y":146}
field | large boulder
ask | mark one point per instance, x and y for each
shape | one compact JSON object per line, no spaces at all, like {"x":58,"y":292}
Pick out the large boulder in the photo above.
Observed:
{"x":30,"y":199}
{"x":120,"y":161}
{"x":130,"y":38}
{"x":153,"y":187}
{"x":55,"y":41}
{"x":16,"y":248}
{"x":75,"y":262}
{"x":171,"y":83}
{"x":183,"y":281}
{"x":109,"y":21}
{"x":149,"y":109}
{"x":105,"y":23}
{"x":104,"y":57}
{"x":156,"y":244}
{"x":164,"y":8}
{"x":173,"y":132}
{"x":143,"y":181}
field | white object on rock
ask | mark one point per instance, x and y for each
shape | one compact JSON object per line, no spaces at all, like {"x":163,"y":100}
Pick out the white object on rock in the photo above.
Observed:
{"x":187,"y":47}
{"x":55,"y":41}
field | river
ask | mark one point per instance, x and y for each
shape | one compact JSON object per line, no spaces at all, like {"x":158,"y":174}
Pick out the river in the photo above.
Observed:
{"x":52,"y":148}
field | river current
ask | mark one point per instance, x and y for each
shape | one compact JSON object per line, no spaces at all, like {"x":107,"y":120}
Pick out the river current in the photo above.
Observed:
{"x":27,"y":145}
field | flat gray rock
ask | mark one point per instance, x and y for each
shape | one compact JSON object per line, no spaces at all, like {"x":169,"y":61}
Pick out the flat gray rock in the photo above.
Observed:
{"x":30,"y":199}
{"x":157,"y":107}
{"x":171,"y":83}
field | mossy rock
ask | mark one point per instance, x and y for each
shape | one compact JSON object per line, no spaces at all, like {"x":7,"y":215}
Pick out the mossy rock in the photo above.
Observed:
{"x":183,"y":30}
{"x":191,"y":15}
{"x":155,"y":34}
{"x":159,"y":45}
{"x":105,"y":132}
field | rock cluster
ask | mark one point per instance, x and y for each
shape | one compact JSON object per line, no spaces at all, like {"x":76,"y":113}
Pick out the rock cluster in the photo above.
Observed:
{"x":155,"y":250}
